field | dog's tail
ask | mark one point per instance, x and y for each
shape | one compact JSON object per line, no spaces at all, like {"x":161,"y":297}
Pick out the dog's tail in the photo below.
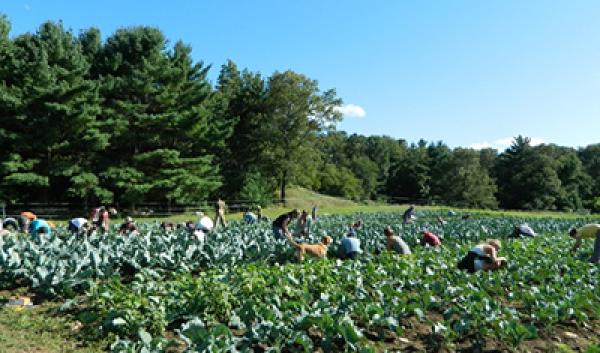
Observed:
{"x":292,"y":241}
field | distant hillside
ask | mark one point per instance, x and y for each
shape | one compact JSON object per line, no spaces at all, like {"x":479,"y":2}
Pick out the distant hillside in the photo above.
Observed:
{"x":299,"y":197}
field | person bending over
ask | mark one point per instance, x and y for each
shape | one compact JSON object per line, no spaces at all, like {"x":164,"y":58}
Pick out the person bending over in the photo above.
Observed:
{"x":250,"y":217}
{"x":589,"y":231}
{"x":523,"y":230}
{"x":395,"y":243}
{"x":39,"y":226}
{"x":78,"y":226}
{"x":483,"y":257}
{"x":281,"y":224}
{"x":128,"y":227}
{"x":430,"y":239}
{"x":350,"y":246}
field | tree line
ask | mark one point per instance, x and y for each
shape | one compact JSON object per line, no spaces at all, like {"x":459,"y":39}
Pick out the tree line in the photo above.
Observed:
{"x":131,"y":119}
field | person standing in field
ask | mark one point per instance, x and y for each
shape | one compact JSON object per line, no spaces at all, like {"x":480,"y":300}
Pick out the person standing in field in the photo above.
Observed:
{"x":589,"y":231}
{"x":314,"y":213}
{"x":220,"y":214}
{"x":281,"y":223}
{"x":303,"y":224}
{"x":409,"y":215}
{"x":100,"y":217}
{"x":395,"y":243}
{"x":259,"y":215}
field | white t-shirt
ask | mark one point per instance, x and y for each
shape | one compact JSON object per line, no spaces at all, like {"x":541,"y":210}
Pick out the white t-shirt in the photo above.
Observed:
{"x":205,"y":224}
{"x":526,"y":229}
{"x":199,"y":235}
{"x":78,"y":222}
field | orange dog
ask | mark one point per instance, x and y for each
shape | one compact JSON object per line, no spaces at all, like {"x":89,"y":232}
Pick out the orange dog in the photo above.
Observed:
{"x":316,"y":250}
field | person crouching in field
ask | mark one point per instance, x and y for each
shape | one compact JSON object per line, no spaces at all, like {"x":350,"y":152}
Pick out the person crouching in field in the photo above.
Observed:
{"x":3,"y":231}
{"x":25,"y":218}
{"x":350,"y":245}
{"x":589,"y":231}
{"x":39,"y":226}
{"x":11,"y":224}
{"x":167,"y":226}
{"x":523,"y":230}
{"x":395,"y":243}
{"x":128,"y":227}
{"x":281,"y":224}
{"x":441,"y":221}
{"x":483,"y":257}
{"x":250,"y":217}
{"x":78,"y":226}
{"x":430,"y":239}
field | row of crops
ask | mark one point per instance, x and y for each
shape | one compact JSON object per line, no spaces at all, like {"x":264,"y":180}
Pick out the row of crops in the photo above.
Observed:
{"x":240,"y":290}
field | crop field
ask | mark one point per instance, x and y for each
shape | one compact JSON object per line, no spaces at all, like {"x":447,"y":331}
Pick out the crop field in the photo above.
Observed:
{"x":243,"y":291}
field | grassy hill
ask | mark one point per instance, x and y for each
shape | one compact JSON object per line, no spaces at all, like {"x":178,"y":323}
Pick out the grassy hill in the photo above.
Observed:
{"x":305,"y":199}
{"x":302,"y":198}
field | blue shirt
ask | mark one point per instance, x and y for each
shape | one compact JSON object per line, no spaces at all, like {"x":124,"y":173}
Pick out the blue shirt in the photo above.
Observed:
{"x":250,"y":218}
{"x":37,"y":224}
{"x":350,"y":245}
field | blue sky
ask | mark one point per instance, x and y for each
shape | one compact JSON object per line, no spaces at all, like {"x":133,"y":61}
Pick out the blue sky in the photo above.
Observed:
{"x":469,"y":73}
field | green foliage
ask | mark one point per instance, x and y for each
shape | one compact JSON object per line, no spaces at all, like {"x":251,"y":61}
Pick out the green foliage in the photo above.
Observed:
{"x":340,"y":181}
{"x":465,"y":183}
{"x":132,"y":119}
{"x":596,"y":204}
{"x":297,"y":112}
{"x":541,"y":177}
{"x":411,"y":175}
{"x":257,"y":189}
{"x":245,"y":282}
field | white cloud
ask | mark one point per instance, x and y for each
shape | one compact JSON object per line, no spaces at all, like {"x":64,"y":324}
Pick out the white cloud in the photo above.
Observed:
{"x":480,"y":146}
{"x":504,"y":143}
{"x":537,"y":141}
{"x":352,"y":111}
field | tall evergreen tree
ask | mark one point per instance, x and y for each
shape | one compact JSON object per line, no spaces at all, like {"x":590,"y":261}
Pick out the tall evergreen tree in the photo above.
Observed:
{"x":243,"y":96}
{"x":56,"y":132}
{"x":590,"y":157}
{"x":526,"y":179}
{"x":157,"y":104}
{"x":464,"y":182}
{"x":411,"y":176}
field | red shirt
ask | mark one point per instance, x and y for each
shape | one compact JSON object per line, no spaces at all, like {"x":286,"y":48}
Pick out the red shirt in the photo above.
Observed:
{"x":431,"y":239}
